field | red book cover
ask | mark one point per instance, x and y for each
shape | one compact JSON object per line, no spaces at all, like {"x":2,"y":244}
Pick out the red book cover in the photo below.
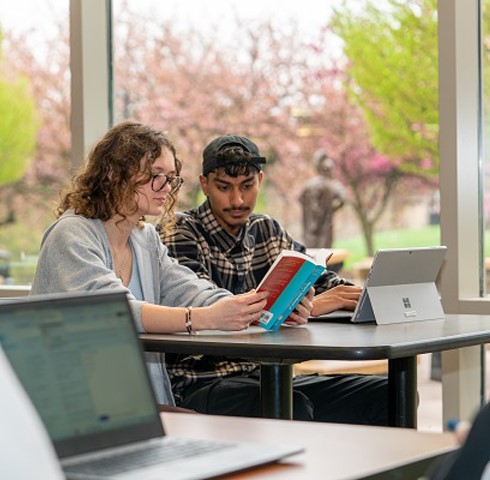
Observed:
{"x":287,"y":281}
{"x":275,"y":283}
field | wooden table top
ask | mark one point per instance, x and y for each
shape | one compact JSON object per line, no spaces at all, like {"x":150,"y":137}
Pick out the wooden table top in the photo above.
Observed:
{"x":332,"y":451}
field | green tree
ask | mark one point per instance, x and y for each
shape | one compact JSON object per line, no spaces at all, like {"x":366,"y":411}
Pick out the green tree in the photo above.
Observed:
{"x":18,"y":131}
{"x":18,"y":126}
{"x":392,"y":55}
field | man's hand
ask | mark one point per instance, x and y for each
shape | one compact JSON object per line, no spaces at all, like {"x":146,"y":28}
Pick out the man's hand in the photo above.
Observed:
{"x":300,"y":315}
{"x":341,"y":296}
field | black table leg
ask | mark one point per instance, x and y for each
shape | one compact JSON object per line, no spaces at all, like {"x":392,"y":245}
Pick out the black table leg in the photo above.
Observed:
{"x":402,"y":392}
{"x":276,"y":391}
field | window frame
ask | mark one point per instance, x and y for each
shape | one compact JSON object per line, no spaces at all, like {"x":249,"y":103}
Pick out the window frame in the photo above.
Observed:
{"x":460,"y":147}
{"x":462,"y":277}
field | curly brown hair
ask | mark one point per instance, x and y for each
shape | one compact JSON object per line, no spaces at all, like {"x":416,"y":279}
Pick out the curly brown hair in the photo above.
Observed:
{"x":106,"y":185}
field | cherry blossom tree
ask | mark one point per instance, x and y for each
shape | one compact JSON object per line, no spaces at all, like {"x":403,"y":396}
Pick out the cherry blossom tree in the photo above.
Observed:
{"x":268,"y":84}
{"x":18,"y":125}
{"x":372,"y":180}
{"x":32,"y":198}
{"x":196,"y":88}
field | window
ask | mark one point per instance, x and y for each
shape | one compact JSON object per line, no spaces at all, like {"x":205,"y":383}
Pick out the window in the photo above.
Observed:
{"x":35,"y":141}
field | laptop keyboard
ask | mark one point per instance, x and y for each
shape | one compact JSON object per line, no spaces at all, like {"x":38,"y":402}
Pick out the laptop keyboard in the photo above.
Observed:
{"x":170,"y":450}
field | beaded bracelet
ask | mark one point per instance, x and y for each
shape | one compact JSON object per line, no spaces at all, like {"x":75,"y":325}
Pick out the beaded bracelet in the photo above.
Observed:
{"x":188,"y":321}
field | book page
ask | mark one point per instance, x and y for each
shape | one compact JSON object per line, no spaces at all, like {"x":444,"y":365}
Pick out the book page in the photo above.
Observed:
{"x":322,"y":255}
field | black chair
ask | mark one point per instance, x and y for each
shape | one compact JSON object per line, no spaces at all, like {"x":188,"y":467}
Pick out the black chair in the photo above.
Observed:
{"x":469,"y":461}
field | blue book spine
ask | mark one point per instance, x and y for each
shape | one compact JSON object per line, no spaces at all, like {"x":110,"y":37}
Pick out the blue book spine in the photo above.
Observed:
{"x":276,"y":312}
{"x":291,"y":296}
{"x":307,"y":284}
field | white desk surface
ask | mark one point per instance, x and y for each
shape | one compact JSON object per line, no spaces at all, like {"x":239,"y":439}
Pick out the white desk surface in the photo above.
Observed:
{"x":333,"y":451}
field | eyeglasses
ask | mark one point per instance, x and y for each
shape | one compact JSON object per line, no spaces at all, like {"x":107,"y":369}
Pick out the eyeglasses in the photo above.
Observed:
{"x":159,"y":181}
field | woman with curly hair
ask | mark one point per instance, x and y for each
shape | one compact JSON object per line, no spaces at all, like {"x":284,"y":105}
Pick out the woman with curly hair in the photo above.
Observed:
{"x":100,"y":240}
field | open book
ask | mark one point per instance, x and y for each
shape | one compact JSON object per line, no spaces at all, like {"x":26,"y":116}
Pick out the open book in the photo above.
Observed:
{"x":288,"y":281}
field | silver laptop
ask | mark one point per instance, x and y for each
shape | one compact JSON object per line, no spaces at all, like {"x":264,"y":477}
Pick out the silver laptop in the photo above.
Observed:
{"x":400,"y":287}
{"x":80,"y":361}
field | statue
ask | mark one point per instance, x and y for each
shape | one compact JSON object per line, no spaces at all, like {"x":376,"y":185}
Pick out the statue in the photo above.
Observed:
{"x":321,"y":197}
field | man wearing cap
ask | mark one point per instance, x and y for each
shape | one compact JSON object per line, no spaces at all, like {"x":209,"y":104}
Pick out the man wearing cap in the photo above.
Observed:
{"x":225,"y":242}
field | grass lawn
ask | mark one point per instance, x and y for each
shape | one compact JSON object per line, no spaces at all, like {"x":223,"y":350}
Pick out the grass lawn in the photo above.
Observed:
{"x":424,"y":237}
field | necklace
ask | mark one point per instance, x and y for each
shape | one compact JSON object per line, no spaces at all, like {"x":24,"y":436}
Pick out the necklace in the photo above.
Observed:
{"x":119,"y":265}
{"x":119,"y":272}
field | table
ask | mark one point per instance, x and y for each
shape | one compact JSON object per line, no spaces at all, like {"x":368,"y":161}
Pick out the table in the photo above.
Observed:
{"x":276,"y":352}
{"x":332,"y":451}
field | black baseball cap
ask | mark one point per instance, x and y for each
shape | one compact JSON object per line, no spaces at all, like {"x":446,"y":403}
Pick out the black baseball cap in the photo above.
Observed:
{"x":210,"y":162}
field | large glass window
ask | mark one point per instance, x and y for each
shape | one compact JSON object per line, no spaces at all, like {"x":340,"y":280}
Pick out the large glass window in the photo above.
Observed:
{"x":485,"y":137}
{"x":35,"y":138}
{"x":288,"y":77}
{"x":296,"y":80}
{"x":293,"y":81}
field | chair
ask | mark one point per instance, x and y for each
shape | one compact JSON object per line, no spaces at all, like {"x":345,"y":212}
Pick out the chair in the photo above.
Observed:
{"x":471,"y":460}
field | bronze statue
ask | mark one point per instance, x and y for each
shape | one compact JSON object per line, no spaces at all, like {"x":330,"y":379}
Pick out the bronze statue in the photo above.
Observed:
{"x":321,"y":197}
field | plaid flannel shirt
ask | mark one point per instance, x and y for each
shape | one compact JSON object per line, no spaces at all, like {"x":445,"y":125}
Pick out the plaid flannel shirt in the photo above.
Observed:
{"x":235,"y":263}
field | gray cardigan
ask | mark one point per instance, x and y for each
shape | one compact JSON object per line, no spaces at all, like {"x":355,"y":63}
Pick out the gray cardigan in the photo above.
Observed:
{"x":75,"y":256}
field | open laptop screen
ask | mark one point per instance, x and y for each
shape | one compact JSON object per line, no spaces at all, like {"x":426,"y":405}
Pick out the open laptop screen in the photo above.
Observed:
{"x":79,"y":359}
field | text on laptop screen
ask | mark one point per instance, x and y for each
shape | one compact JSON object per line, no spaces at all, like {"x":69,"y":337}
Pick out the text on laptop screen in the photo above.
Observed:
{"x":75,"y":362}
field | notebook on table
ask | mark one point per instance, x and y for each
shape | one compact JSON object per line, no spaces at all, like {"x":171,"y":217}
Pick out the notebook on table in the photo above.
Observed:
{"x":80,"y":361}
{"x":400,"y":287}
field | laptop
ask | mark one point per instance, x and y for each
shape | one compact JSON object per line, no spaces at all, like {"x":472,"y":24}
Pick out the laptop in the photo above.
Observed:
{"x":400,"y":287}
{"x":80,"y":361}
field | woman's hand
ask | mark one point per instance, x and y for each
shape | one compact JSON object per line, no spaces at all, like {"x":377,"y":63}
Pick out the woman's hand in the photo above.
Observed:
{"x":303,"y":310}
{"x":341,"y":296}
{"x":236,"y":312}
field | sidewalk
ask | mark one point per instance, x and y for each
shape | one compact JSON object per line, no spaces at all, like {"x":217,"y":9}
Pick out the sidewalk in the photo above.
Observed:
{"x":429,"y":413}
